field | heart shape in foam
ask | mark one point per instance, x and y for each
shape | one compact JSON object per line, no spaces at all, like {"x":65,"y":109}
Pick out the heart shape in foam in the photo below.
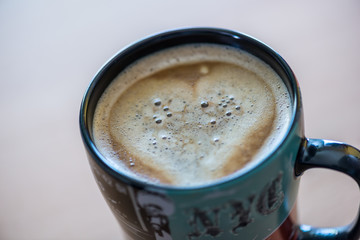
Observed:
{"x":192,"y":123}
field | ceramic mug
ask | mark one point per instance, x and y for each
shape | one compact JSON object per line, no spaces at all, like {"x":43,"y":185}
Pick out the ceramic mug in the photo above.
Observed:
{"x":258,"y":203}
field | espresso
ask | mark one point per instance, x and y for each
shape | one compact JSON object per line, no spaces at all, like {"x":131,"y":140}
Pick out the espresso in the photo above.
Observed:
{"x":192,"y":114}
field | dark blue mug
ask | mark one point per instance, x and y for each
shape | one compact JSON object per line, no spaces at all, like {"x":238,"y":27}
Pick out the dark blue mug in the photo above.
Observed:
{"x":259,"y":203}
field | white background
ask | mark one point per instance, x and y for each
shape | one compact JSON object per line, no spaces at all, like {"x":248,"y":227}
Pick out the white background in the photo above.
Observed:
{"x":50,"y":50}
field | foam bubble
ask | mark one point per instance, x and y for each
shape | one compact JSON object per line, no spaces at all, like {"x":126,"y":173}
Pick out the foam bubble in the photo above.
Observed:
{"x":204,"y":104}
{"x":157,"y":102}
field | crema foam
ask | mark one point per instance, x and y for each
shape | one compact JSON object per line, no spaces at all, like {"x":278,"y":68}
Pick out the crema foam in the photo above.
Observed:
{"x":191,"y":114}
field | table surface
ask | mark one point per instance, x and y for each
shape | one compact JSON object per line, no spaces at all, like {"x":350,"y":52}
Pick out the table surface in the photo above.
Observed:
{"x":50,"y":50}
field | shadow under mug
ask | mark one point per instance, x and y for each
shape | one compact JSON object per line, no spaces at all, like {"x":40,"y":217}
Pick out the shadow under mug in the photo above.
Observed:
{"x":258,"y":203}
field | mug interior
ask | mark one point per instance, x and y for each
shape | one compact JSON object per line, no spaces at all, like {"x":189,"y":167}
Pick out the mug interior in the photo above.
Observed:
{"x":170,"y":39}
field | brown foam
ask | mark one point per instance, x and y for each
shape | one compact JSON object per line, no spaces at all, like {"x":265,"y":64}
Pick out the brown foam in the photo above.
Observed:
{"x":144,"y":167}
{"x":196,"y":144}
{"x":244,"y":153}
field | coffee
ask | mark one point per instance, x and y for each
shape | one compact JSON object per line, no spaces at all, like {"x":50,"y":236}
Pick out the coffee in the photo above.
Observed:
{"x":191,"y":114}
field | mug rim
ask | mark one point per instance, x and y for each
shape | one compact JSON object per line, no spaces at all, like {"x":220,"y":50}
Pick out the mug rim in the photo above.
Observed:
{"x":240,"y":174}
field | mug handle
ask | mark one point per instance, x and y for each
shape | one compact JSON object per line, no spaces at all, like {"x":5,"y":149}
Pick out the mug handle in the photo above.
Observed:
{"x":319,"y":153}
